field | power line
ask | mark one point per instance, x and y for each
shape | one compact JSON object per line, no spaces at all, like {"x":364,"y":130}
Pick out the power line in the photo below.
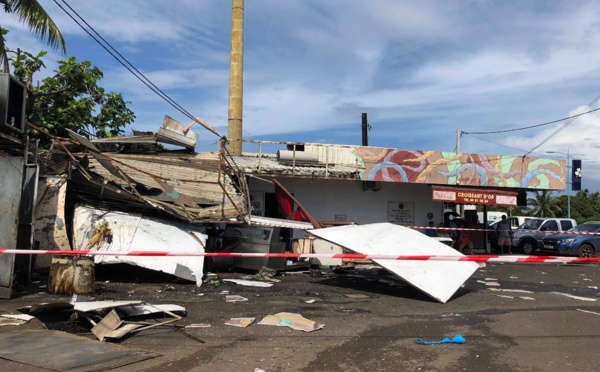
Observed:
{"x":591,"y":104}
{"x":124,"y":62}
{"x":535,"y":126}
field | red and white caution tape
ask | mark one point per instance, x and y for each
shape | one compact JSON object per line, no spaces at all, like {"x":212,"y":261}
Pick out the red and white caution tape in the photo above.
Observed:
{"x":472,"y":258}
{"x":514,"y":230}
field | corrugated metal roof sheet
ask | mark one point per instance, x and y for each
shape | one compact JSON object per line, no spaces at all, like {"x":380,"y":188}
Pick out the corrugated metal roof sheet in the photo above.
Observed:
{"x":269,"y":165}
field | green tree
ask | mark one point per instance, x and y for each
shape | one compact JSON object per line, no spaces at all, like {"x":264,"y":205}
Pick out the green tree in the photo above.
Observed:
{"x":37,"y":20}
{"x":543,"y":204}
{"x":71,"y":98}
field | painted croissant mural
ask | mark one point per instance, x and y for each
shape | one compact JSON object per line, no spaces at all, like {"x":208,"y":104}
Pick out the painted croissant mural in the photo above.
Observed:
{"x":448,"y":168}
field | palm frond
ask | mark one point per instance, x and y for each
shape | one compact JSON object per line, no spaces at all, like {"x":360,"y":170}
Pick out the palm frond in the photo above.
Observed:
{"x":39,"y":22}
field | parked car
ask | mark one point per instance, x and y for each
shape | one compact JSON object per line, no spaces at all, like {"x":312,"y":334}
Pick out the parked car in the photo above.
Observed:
{"x":528,"y":237}
{"x":574,"y":244}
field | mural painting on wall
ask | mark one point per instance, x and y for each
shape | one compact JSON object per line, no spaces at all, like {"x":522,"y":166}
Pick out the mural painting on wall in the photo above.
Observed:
{"x":448,"y":168}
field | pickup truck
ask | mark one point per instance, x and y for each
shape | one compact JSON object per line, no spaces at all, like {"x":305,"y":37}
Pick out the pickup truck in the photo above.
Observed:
{"x":529,"y":235}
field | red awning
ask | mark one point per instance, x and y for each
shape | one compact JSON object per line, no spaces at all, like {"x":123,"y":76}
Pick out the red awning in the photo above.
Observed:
{"x":463,"y":195}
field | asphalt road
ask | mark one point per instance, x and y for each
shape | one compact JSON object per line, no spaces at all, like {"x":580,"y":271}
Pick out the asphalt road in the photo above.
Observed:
{"x":371,"y":322}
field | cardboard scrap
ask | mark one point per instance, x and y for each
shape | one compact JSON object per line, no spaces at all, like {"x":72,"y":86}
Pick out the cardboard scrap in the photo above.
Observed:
{"x":240,"y":322}
{"x":292,"y":320}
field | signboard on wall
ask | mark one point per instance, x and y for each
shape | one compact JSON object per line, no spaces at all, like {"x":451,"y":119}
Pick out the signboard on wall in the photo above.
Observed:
{"x":474,"y":196}
{"x":401,"y":213}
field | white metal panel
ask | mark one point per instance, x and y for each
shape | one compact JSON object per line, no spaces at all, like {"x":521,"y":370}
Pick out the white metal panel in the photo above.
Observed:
{"x":438,"y":279}
{"x":11,"y":171}
{"x":278,"y":222}
{"x":133,"y":232}
{"x":321,"y":246}
{"x":333,"y":154}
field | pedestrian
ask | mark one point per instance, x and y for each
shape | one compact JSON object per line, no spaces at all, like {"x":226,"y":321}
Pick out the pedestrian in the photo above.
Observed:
{"x":504,"y":233}
{"x":431,"y":231}
{"x":465,"y":240}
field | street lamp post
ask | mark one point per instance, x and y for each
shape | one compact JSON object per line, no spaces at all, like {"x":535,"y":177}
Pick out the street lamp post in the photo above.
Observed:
{"x":568,"y":181}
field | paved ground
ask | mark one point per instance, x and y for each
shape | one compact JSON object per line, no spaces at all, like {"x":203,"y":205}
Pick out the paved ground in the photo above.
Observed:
{"x":539,"y":331}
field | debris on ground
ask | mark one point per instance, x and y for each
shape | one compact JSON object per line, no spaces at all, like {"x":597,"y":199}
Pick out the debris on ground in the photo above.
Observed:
{"x":264,"y":273}
{"x":249,"y":283}
{"x":235,"y":298}
{"x":198,"y":325}
{"x":240,"y":322}
{"x":510,"y":290}
{"x":107,"y":319}
{"x":14,"y":319}
{"x":439,"y":280}
{"x":575,"y":297}
{"x":458,"y":339}
{"x":292,"y":320}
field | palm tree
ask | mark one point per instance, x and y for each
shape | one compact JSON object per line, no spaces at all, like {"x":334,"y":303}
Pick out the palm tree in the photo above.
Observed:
{"x":543,"y":205}
{"x":37,"y":20}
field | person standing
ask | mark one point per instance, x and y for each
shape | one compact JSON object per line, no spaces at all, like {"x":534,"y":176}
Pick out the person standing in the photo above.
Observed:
{"x":504,"y":233}
{"x":431,"y":230}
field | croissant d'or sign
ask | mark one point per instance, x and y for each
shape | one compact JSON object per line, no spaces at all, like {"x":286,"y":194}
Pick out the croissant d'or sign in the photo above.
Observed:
{"x":465,"y":196}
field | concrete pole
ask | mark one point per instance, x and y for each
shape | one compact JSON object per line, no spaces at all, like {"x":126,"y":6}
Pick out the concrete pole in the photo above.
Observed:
{"x":236,"y":81}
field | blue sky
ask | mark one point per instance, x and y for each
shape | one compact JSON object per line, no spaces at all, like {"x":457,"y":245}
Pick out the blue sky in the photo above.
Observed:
{"x":419,"y":69}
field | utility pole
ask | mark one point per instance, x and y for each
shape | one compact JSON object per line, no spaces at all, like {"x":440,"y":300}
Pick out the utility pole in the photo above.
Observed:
{"x":458,"y":140}
{"x":236,"y":81}
{"x":365,"y":130}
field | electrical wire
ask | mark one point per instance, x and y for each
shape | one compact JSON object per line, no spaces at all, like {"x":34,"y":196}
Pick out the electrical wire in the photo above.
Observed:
{"x":129,"y":66}
{"x":535,"y":126}
{"x":591,"y":104}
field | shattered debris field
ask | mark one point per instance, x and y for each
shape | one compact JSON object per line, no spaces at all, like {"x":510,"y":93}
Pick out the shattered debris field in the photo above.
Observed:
{"x":512,"y":317}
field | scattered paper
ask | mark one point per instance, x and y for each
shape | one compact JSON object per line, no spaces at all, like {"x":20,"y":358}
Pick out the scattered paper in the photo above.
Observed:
{"x":514,"y":277}
{"x":250,"y":283}
{"x":492,"y":284}
{"x":510,"y":290}
{"x":592,"y":286}
{"x":503,"y":296}
{"x":574,"y":297}
{"x":198,"y":325}
{"x":310,"y":301}
{"x":526,"y":298}
{"x":587,"y":279}
{"x":235,"y":298}
{"x":587,"y":311}
{"x":292,"y":320}
{"x":356,"y":295}
{"x":11,"y":322}
{"x":23,"y":317}
{"x":224,"y":292}
{"x":240,"y":322}
{"x":491,"y":279}
{"x":481,"y":281}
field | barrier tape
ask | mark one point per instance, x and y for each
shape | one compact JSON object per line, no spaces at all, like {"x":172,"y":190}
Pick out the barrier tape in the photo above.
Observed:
{"x":514,"y":230}
{"x":472,"y":258}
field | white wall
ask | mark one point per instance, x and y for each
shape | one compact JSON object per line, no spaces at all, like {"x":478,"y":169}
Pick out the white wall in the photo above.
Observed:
{"x":326,"y":198}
